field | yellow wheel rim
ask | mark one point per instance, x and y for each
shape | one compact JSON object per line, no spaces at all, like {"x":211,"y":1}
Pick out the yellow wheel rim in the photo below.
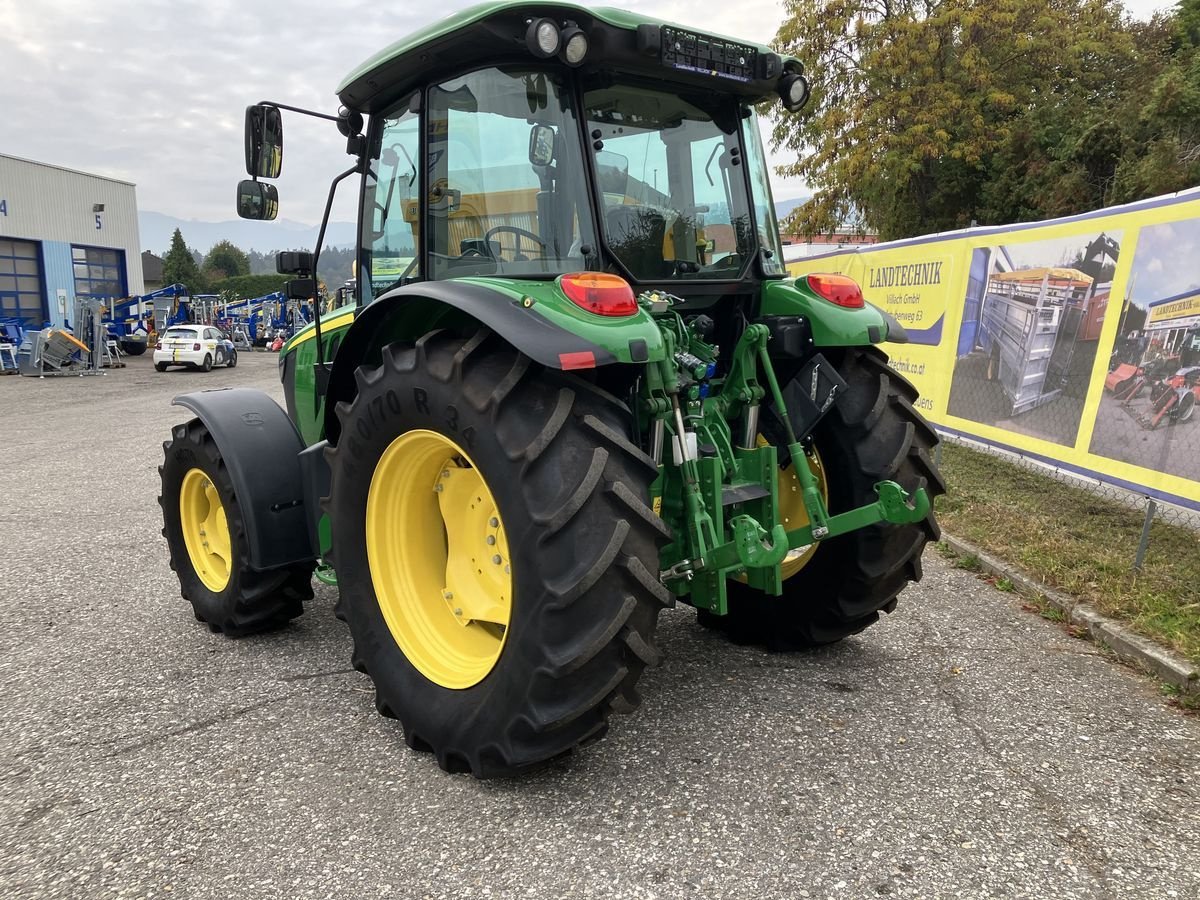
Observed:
{"x":205,"y":530}
{"x":792,"y":512}
{"x":439,"y":559}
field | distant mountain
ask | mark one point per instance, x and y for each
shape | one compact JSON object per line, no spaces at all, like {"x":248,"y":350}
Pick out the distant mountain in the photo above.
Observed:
{"x":783,"y":208}
{"x":156,"y":230}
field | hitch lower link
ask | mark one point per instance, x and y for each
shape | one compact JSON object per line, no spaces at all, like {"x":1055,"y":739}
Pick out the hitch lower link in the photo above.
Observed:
{"x":753,"y":547}
{"x":750,"y":547}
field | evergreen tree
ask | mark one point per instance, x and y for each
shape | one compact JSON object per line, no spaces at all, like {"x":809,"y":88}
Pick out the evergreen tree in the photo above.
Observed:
{"x":179,"y":266}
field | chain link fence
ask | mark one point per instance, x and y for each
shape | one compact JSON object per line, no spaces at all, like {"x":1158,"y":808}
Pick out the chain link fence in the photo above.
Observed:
{"x":1139,"y":504}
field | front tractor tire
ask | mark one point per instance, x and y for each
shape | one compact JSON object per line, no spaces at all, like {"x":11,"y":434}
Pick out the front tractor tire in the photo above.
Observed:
{"x":496,"y":552}
{"x":872,"y":434}
{"x":206,"y":536}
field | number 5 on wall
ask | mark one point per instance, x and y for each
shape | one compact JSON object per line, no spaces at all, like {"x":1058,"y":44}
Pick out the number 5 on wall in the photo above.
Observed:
{"x":99,"y":224}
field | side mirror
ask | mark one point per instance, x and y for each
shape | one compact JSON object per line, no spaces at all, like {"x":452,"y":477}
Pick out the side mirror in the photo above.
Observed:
{"x":257,"y":200}
{"x":294,"y":262}
{"x":541,"y":145}
{"x":264,"y":141}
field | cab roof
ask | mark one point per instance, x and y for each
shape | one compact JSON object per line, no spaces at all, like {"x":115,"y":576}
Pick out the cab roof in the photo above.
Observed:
{"x":494,"y":34}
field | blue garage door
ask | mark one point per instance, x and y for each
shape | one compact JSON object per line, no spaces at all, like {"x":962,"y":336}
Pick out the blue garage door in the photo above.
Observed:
{"x":99,"y":272}
{"x":21,"y":295}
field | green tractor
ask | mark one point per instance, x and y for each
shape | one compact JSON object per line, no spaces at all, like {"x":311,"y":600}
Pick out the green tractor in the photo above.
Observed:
{"x":576,"y":385}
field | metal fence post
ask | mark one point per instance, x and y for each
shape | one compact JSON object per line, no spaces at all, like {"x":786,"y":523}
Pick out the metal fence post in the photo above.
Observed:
{"x":1151,"y":506}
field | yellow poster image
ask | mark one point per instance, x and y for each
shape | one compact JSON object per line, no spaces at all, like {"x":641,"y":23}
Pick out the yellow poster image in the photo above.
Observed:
{"x":1075,"y":341}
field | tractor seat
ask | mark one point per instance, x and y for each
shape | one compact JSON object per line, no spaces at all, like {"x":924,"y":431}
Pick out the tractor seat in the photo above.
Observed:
{"x":636,"y":235}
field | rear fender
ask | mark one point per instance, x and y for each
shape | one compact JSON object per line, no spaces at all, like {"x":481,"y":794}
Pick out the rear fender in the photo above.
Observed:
{"x":261,"y":449}
{"x":831,"y":325}
{"x":533,"y":316}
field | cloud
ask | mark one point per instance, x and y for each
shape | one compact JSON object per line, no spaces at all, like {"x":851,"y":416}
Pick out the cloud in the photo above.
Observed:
{"x":153,"y":91}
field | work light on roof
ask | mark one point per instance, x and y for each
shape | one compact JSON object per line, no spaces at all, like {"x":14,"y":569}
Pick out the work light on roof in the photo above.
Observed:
{"x":575,"y":45}
{"x":793,"y":90}
{"x":543,"y":38}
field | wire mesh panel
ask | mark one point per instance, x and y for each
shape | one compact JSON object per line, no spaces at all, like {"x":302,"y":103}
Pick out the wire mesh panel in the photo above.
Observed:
{"x":1135,"y":501}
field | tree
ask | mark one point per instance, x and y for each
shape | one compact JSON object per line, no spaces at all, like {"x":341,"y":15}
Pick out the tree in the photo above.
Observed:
{"x":261,"y":263}
{"x":919,"y":106}
{"x":1185,"y":25}
{"x":225,"y":260}
{"x":1075,"y":154}
{"x":179,"y":266}
{"x":1162,"y":152}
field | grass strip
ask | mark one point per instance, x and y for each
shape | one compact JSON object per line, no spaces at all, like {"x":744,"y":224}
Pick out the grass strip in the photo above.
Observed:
{"x":1078,"y":542}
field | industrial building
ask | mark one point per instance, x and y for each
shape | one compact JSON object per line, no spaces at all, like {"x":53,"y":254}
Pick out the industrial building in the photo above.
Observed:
{"x":63,"y":234}
{"x":797,"y":246}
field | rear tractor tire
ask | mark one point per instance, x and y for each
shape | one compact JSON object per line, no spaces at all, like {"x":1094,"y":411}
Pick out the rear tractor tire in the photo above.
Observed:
{"x":496,"y":552}
{"x":872,"y":434}
{"x":206,"y":535}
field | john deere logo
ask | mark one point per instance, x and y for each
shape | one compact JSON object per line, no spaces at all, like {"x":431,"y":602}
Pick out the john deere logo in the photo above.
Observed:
{"x":252,"y":418}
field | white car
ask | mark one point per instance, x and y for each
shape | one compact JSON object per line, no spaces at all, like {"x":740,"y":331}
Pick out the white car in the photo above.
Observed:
{"x":195,"y":346}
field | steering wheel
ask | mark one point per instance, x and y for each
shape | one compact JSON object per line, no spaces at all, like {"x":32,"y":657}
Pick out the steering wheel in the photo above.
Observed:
{"x":520,"y":233}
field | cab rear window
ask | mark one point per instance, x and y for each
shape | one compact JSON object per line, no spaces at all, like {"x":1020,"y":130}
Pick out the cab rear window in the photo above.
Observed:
{"x":182,"y":333}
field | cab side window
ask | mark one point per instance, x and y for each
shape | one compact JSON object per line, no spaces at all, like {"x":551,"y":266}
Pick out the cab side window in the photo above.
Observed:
{"x":390,"y":224}
{"x":505,"y":196}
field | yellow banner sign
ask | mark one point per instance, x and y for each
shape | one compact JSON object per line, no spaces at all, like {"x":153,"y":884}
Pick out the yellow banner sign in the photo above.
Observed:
{"x":1074,"y":341}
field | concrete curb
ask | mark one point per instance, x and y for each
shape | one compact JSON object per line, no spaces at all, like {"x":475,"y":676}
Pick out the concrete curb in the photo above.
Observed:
{"x":1130,"y":647}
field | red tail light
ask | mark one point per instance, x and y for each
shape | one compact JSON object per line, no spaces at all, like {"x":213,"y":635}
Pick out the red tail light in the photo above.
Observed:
{"x":158,"y":346}
{"x":600,"y":293}
{"x":838,"y":289}
{"x":196,"y":347}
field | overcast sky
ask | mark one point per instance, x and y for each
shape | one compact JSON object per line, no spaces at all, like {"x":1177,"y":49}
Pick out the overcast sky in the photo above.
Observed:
{"x":1157,"y":273}
{"x":154,"y":92}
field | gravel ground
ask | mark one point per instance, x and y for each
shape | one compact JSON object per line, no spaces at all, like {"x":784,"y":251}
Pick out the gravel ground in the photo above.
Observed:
{"x":962,"y":748}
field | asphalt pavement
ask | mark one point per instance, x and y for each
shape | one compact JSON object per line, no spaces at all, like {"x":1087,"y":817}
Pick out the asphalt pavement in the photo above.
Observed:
{"x":962,"y":747}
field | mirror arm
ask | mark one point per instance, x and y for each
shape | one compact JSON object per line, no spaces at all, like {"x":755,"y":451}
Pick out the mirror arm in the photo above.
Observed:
{"x":297,"y":109}
{"x":354,"y":169}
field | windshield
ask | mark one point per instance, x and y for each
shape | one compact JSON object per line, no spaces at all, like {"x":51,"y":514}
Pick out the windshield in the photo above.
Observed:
{"x":506,"y":192}
{"x":672,"y":184}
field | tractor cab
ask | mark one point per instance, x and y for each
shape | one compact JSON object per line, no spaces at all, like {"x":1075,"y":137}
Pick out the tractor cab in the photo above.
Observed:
{"x":533,"y":173}
{"x":529,"y":141}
